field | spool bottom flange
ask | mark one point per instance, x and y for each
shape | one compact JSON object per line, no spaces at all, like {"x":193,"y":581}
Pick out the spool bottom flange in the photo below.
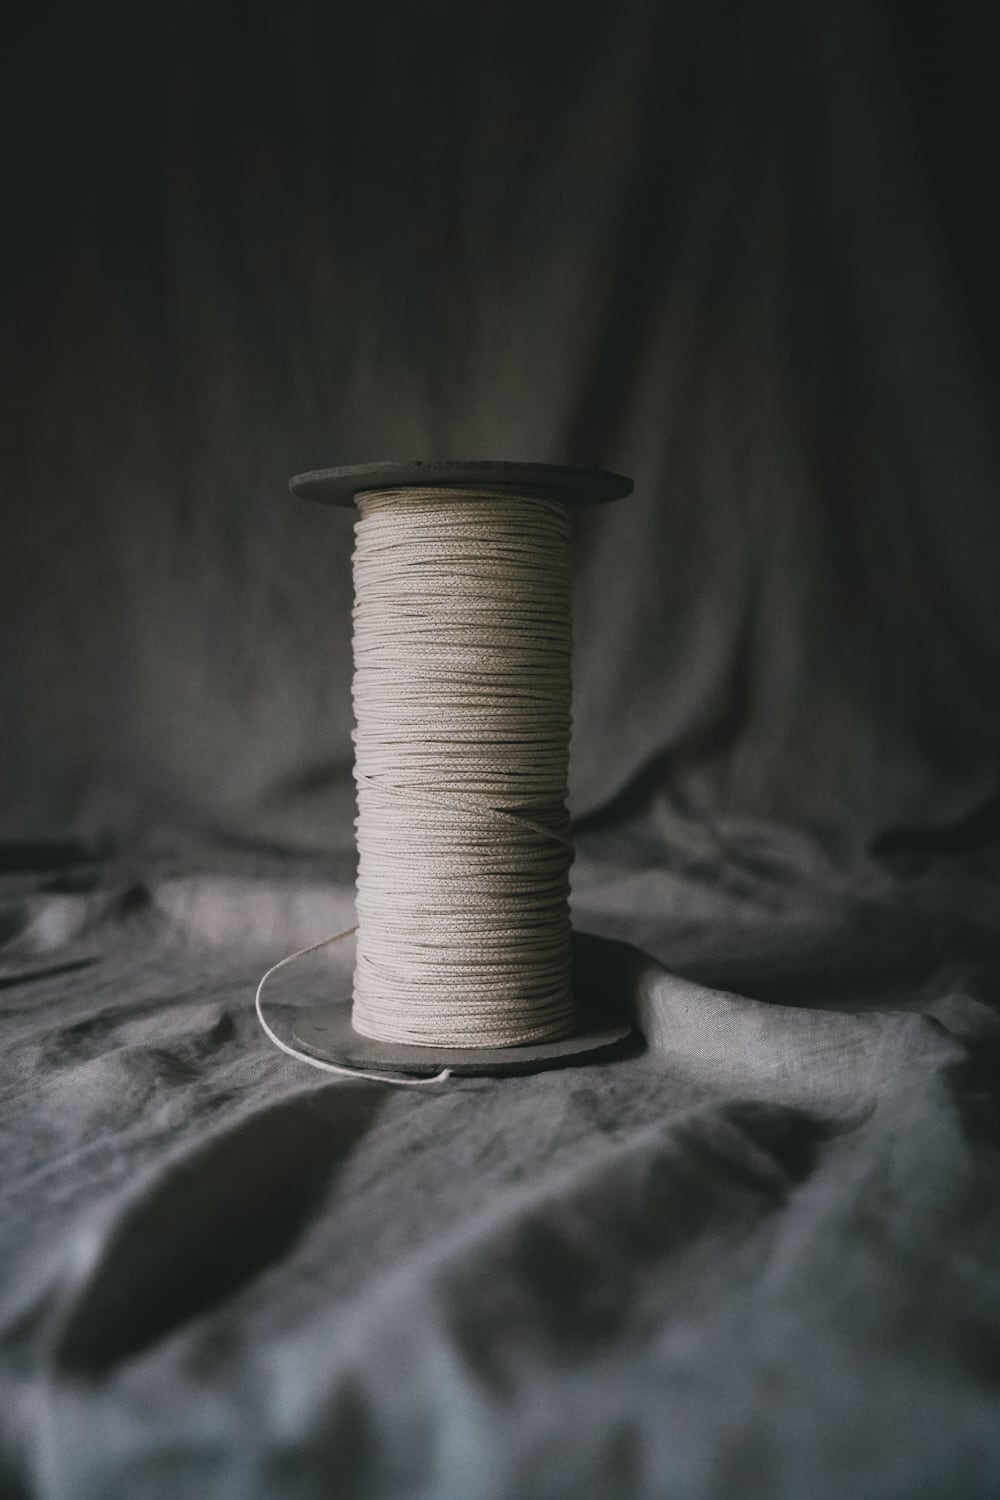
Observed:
{"x":326,"y":1032}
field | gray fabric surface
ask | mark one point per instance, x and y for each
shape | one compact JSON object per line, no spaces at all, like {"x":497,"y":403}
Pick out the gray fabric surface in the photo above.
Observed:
{"x":754,"y":1255}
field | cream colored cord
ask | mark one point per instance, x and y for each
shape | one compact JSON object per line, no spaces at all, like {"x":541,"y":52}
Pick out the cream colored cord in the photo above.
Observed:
{"x":462,"y":647}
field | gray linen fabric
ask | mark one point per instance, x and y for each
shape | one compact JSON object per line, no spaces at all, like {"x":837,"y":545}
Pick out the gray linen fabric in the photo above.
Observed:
{"x":756,"y":1253}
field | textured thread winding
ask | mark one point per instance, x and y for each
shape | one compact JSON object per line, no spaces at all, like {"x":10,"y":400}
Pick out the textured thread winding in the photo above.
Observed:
{"x":462,"y":644}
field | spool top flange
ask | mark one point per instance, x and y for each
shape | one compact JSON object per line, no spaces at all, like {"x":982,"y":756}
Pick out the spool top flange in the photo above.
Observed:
{"x":572,"y":486}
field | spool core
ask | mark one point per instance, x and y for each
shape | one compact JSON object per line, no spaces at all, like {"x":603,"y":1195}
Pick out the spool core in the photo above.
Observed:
{"x":326,"y":1032}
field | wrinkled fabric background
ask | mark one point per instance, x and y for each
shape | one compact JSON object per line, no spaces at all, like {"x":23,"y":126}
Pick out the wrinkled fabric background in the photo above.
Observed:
{"x":724,"y":249}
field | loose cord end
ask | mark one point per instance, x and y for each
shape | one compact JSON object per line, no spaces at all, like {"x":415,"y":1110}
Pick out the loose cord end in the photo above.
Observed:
{"x":317,"y":1062}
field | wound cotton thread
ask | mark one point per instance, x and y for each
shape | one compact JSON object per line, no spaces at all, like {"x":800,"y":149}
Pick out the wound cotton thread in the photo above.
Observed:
{"x":462,"y":689}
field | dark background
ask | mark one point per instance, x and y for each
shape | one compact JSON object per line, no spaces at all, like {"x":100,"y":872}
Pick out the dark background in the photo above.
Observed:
{"x":744,"y":252}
